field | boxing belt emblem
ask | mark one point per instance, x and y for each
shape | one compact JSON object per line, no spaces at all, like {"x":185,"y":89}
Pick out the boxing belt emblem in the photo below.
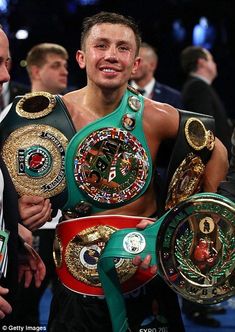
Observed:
{"x":187,"y":177}
{"x":34,"y":137}
{"x":193,"y":246}
{"x":108,"y":163}
{"x":77,"y":248}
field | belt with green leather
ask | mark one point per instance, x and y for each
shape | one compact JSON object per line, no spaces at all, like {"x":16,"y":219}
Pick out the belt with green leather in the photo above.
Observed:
{"x":193,"y":246}
{"x":34,"y":137}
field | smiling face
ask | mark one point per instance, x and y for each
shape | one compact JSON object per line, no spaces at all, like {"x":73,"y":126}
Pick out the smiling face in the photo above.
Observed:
{"x":109,"y":55}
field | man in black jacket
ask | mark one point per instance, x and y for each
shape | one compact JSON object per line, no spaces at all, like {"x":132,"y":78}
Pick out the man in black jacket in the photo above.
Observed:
{"x":144,"y":81}
{"x":31,"y":210}
{"x":198,"y":94}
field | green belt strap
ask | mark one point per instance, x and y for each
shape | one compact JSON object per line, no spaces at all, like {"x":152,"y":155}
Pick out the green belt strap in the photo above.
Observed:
{"x":121,"y":245}
{"x":108,"y":275}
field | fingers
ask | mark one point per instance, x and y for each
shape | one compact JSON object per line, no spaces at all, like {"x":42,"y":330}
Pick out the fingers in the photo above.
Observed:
{"x":26,"y":234}
{"x":145,"y":263}
{"x":35,"y":216}
{"x":26,"y":202}
{"x":144,"y":223}
{"x":153,"y":269}
{"x":5,"y":307}
{"x":3,"y":290}
{"x":39,"y":270}
{"x":40,"y":274}
{"x":28,"y":276}
{"x":136,"y":260}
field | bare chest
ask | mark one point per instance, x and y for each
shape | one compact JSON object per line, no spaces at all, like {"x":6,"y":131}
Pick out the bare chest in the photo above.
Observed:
{"x":82,"y":118}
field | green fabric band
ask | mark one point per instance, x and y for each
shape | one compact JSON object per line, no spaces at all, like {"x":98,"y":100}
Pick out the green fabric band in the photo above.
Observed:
{"x":173,"y":241}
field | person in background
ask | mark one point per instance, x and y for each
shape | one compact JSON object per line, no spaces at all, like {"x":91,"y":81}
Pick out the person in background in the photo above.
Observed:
{"x":32,"y":211}
{"x":11,"y":89}
{"x":47,"y":66}
{"x":198,"y":94}
{"x":47,"y":70}
{"x":110,"y":54}
{"x":144,"y":81}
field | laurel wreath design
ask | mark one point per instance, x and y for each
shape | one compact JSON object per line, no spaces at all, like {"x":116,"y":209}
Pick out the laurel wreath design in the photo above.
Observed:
{"x":227,"y":257}
{"x":182,"y":253}
{"x":182,"y":250}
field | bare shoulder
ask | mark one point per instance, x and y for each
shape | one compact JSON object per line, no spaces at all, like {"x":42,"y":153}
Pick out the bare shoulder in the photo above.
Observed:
{"x":73,"y":99}
{"x":161,"y":117}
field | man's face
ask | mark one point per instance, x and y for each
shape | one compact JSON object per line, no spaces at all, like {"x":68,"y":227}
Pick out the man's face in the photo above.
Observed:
{"x":211,"y":66}
{"x":109,"y":56}
{"x":4,"y":59}
{"x":53,"y":74}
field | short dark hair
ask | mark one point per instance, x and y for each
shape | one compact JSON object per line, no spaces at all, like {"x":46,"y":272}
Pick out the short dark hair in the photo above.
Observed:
{"x":113,"y":18}
{"x":189,"y":58}
{"x":37,"y":55}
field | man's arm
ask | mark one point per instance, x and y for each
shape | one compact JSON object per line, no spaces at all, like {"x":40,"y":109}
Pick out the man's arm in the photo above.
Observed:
{"x":216,"y":168}
{"x":227,"y":186}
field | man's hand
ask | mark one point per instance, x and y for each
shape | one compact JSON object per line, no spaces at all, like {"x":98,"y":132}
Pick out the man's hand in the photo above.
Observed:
{"x":25,"y":234}
{"x":34,"y":211}
{"x":144,"y":264}
{"x":31,"y":267}
{"x":5,"y":307}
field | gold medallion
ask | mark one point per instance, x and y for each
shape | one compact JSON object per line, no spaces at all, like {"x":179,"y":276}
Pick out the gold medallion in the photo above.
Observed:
{"x":83,"y":251}
{"x":35,"y":156}
{"x":210,"y":142}
{"x":35,"y":105}
{"x":185,"y":181}
{"x":196,"y":133}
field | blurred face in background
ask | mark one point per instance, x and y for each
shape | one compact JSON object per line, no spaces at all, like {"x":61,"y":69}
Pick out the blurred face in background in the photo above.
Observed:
{"x":52,"y":75}
{"x":147,"y":65}
{"x":4,"y":59}
{"x":210,"y":66}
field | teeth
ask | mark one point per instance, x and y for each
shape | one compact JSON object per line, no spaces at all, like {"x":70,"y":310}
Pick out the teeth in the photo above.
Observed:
{"x":109,"y":70}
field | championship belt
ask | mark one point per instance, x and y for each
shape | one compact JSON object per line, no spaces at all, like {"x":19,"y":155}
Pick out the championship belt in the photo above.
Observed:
{"x":192,"y":150}
{"x":34,"y":137}
{"x":193,"y":245}
{"x":108,"y":163}
{"x":77,"y":247}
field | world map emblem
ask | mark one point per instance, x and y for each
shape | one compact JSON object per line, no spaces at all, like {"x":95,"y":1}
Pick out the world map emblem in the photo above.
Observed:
{"x":111,"y":166}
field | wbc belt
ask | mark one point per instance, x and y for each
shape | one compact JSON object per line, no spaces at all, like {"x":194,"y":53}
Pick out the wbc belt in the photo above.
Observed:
{"x":193,"y":245}
{"x":33,"y":140}
{"x":108,"y":162}
{"x":77,"y":247}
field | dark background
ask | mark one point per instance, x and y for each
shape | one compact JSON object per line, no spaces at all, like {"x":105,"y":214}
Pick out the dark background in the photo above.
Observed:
{"x":60,"y":21}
